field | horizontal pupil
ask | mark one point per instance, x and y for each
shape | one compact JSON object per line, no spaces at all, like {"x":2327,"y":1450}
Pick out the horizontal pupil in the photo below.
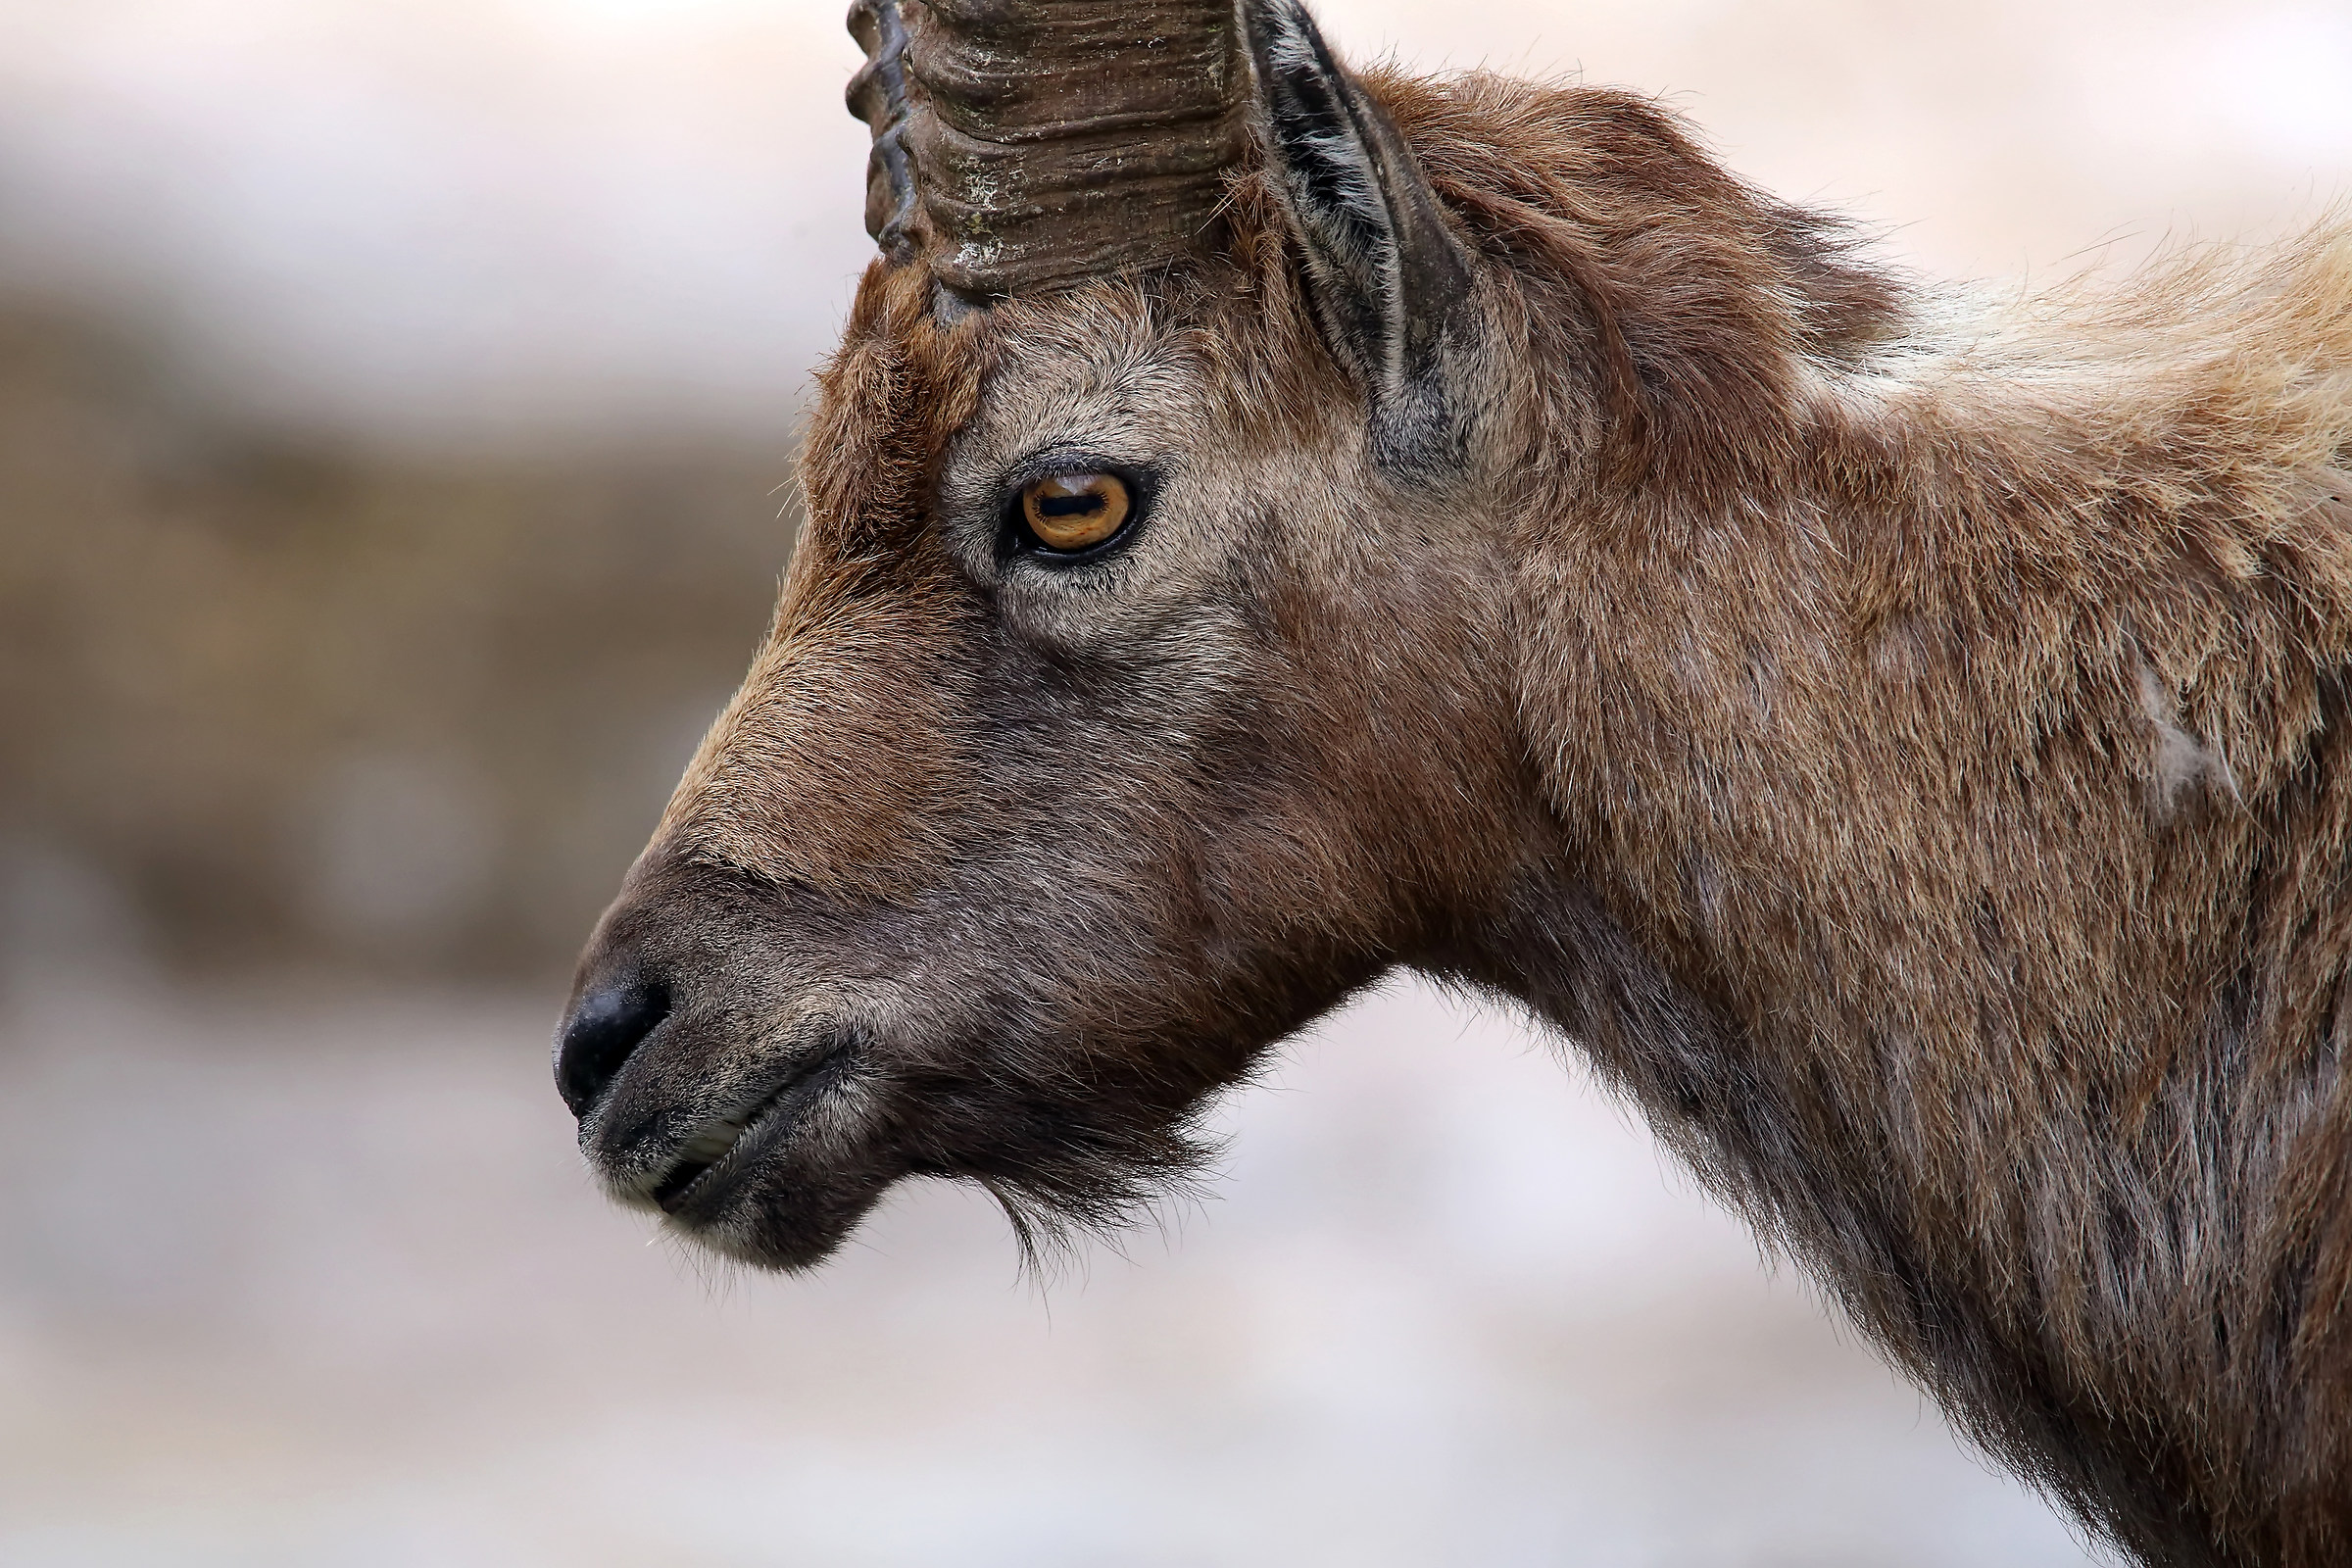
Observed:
{"x":1067,"y":506}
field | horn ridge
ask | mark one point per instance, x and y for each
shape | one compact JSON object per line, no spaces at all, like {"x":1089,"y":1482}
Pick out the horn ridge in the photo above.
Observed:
{"x":877,"y":95}
{"x":1048,"y":140}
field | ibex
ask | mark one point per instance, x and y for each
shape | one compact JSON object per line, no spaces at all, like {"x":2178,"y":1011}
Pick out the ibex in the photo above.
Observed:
{"x":1268,"y":525}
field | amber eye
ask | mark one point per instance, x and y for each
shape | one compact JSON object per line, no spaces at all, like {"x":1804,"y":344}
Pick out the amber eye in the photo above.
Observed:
{"x":1074,"y":510}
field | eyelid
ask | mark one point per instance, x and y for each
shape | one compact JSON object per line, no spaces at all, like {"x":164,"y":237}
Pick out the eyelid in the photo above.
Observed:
{"x":1046,"y":463}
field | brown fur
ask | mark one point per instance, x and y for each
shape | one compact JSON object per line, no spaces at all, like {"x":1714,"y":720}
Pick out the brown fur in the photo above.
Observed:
{"x":1900,"y":744}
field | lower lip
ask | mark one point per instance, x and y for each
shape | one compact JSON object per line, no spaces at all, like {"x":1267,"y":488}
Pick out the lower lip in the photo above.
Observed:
{"x":706,"y":1181}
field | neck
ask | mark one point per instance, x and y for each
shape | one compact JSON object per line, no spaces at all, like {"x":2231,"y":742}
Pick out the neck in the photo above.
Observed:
{"x":1946,"y":855}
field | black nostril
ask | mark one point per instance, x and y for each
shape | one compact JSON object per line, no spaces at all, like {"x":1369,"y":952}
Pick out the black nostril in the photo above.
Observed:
{"x":604,"y":1028}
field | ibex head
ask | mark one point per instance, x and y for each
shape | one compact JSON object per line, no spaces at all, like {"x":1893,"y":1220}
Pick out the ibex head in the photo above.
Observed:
{"x":1265,"y":526}
{"x":1143,"y":682}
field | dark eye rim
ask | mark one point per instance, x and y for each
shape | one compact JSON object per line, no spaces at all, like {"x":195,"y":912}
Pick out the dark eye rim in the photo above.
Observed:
{"x":1015,"y":541}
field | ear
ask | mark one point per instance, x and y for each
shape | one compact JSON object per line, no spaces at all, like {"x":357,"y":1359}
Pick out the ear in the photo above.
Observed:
{"x":1389,"y":285}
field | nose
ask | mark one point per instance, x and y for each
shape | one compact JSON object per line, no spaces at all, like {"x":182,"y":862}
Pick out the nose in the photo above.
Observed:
{"x":607,"y":1024}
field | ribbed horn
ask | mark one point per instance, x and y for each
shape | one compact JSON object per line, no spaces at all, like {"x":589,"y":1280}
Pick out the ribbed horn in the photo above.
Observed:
{"x":1025,"y":143}
{"x":878,"y":96}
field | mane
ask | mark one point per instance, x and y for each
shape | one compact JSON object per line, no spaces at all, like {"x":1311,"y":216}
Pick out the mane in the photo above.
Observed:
{"x":1713,"y":309}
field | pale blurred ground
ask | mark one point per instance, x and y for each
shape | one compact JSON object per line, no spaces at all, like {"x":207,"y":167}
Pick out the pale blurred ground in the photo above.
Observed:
{"x":297,"y":1282}
{"x":391,"y":392}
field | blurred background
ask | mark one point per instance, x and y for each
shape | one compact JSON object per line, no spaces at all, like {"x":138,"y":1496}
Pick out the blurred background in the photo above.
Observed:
{"x":397,"y":400}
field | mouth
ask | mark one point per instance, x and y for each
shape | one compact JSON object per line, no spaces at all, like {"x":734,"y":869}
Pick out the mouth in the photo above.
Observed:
{"x":706,"y":1162}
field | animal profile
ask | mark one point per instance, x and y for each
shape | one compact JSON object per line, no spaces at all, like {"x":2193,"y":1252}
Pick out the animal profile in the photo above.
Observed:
{"x":1270,"y":524}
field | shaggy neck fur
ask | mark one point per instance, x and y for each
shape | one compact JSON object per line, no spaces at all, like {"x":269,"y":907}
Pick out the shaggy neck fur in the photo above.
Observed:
{"x":1944,"y":716}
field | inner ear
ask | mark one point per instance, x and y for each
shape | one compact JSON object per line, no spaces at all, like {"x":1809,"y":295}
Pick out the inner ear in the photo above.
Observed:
{"x":1390,"y":286}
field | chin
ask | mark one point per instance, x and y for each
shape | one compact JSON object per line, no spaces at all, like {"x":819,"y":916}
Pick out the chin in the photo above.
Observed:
{"x":780,"y":1225}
